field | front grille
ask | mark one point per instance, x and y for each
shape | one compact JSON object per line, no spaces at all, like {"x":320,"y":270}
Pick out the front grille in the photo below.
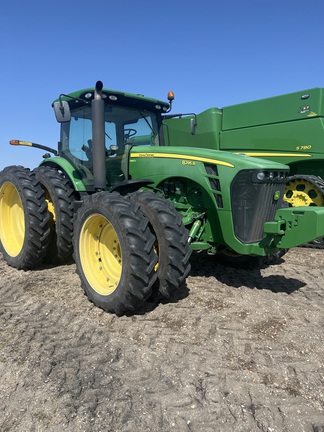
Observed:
{"x":253,"y":204}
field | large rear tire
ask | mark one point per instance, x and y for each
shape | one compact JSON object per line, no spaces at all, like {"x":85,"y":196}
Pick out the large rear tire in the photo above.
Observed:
{"x":24,"y":228}
{"x":171,"y":243}
{"x":113,"y":251}
{"x":59,"y":197}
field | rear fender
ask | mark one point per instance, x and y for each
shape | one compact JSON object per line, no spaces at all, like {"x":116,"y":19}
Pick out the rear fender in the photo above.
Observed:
{"x":77,"y":177}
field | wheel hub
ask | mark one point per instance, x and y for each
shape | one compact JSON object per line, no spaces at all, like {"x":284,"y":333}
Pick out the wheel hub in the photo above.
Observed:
{"x":301,"y":192}
{"x":301,"y":199}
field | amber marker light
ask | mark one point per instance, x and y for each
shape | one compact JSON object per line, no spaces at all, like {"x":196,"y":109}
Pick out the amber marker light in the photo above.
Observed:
{"x":170,"y":96}
{"x":22,"y":143}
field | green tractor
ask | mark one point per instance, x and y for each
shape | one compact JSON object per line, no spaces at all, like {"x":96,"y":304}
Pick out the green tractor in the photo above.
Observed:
{"x":288,"y":129}
{"x":130,"y":210}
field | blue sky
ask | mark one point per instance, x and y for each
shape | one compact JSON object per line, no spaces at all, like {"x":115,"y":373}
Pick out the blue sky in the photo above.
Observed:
{"x":210,"y":53}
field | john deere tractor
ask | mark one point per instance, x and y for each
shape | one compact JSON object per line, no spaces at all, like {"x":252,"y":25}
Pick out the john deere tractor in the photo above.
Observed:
{"x":131,"y":209}
{"x":288,"y":129}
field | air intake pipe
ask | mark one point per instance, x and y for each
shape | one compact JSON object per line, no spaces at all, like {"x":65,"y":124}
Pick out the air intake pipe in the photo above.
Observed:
{"x":98,"y":139}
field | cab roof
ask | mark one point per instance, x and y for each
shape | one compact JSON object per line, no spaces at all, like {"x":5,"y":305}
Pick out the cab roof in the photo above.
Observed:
{"x":114,"y":97}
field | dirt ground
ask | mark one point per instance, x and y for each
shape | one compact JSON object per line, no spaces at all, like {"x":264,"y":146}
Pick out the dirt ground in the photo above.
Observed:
{"x":236,"y":350}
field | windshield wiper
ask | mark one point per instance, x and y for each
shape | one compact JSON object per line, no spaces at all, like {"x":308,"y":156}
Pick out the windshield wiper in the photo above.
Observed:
{"x":147,"y":122}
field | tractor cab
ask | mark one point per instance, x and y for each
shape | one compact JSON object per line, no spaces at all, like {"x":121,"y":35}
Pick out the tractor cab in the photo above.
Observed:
{"x":126,"y":120}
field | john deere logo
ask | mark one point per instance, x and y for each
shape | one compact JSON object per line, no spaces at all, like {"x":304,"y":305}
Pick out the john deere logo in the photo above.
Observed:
{"x":276,"y":195}
{"x":304,"y":109}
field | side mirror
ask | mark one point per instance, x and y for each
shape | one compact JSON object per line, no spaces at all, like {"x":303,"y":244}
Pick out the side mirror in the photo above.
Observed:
{"x":193,"y":125}
{"x":62,"y":111}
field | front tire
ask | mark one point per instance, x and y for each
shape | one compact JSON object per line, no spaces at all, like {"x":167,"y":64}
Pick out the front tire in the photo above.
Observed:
{"x":171,"y":245}
{"x":113,"y":252}
{"x":24,"y":229}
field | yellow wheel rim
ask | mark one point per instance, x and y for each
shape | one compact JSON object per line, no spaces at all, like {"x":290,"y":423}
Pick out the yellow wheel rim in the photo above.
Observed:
{"x":51,"y":212}
{"x":12,"y":220}
{"x":50,"y":207}
{"x":100,"y":254}
{"x":157,"y":251}
{"x":303,"y":193}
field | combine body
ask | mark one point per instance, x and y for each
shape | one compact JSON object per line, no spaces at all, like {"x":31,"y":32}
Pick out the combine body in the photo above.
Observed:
{"x":288,"y":128}
{"x":146,"y":194}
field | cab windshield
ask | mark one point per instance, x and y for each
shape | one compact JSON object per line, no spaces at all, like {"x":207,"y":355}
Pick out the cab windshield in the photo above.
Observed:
{"x":122,"y":126}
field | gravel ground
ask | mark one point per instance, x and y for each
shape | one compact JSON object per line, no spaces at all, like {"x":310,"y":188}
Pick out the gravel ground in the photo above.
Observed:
{"x":236,"y":350}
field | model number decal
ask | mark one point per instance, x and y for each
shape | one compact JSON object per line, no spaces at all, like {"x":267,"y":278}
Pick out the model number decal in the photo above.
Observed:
{"x":307,"y":147}
{"x":146,"y":155}
{"x":188,"y":162}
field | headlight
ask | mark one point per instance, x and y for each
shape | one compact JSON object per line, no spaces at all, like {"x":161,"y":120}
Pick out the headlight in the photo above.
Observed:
{"x":263,"y":176}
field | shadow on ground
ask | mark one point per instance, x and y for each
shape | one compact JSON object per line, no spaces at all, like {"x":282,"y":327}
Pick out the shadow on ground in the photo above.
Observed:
{"x":205,"y":265}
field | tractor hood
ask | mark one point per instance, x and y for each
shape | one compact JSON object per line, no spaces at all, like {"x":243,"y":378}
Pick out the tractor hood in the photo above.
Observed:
{"x":218,"y":157}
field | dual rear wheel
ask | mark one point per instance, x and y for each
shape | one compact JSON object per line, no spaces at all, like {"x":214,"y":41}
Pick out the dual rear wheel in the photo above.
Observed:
{"x":36,"y":212}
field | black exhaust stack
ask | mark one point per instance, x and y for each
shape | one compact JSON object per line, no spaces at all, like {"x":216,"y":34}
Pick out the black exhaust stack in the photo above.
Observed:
{"x":98,"y":139}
